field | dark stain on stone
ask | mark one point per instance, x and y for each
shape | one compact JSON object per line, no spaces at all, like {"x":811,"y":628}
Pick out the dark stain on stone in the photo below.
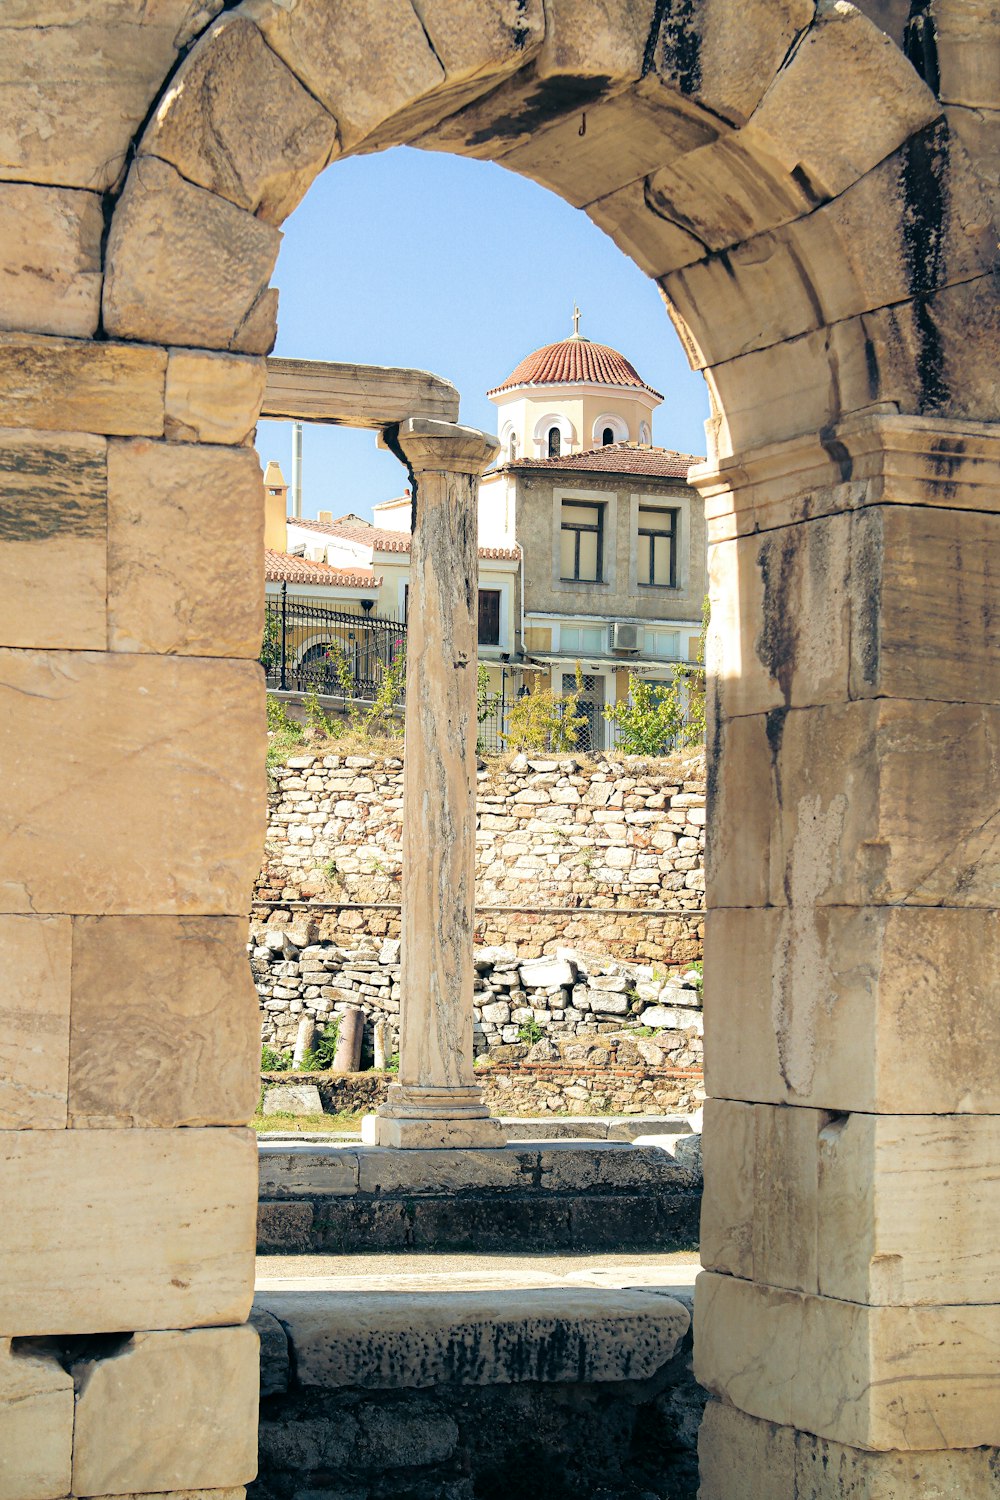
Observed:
{"x":50,"y":493}
{"x":778,"y":638}
{"x":871,"y":365}
{"x":920,"y":44}
{"x":551,"y":100}
{"x":713,"y":756}
{"x":774,"y":728}
{"x":866,"y":591}
{"x":521,"y":33}
{"x":923,"y":182}
{"x":838,"y":452}
{"x":806,"y":186}
{"x":678,"y":44}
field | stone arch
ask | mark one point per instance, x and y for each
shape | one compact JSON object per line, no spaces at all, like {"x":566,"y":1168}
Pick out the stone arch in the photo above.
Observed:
{"x":804,"y":198}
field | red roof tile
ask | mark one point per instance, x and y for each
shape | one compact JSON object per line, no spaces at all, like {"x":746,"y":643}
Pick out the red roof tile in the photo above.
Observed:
{"x":382,"y":539}
{"x":573,"y":360}
{"x":618,"y":458}
{"x":279,"y":566}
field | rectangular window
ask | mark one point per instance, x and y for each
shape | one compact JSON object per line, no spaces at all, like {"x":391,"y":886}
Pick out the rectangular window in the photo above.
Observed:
{"x":489,"y":617}
{"x":657,"y":547}
{"x":664,"y":643}
{"x":581,"y":542}
{"x":587,"y":639}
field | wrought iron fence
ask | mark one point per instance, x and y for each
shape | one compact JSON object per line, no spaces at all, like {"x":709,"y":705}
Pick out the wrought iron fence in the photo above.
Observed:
{"x":309,"y":645}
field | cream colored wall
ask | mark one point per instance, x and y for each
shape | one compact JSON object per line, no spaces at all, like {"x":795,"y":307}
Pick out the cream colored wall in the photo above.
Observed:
{"x":579,"y":407}
{"x":276,"y":518}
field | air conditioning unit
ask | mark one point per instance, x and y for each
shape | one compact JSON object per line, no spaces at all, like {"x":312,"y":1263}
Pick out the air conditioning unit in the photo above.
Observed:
{"x":624,"y":637}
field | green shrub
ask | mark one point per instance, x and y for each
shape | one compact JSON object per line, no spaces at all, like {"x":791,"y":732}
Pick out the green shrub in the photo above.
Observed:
{"x":530,"y":1032}
{"x":319,"y":1057}
{"x":273,"y":1062}
{"x":542,"y":720}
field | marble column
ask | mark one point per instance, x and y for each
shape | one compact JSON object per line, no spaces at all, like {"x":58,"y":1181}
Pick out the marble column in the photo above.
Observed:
{"x":437,"y":1101}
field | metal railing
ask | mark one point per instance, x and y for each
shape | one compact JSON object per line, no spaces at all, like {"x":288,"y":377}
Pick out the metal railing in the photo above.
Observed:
{"x":308,"y":645}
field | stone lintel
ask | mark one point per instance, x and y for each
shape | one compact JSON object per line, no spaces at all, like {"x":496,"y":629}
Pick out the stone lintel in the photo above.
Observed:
{"x":872,"y":458}
{"x":350,"y":395}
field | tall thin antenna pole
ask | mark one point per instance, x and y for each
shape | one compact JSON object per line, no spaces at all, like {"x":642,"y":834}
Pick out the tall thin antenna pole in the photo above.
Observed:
{"x":297,"y":469}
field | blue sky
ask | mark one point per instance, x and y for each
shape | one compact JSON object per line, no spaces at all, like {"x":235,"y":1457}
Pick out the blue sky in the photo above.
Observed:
{"x":460,"y":267}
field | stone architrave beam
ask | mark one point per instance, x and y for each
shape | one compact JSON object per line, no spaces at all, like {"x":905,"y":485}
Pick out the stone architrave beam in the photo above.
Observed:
{"x":345,"y":395}
{"x":437,"y":1102}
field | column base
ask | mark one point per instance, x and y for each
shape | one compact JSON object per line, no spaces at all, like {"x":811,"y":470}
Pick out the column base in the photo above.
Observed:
{"x":434,"y":1119}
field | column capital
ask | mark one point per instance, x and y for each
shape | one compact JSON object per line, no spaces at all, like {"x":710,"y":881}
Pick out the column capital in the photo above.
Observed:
{"x":445,"y":446}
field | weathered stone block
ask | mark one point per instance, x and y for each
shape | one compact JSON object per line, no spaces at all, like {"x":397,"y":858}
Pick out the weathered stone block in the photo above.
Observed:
{"x":200,"y":126}
{"x":886,"y":1009}
{"x":53,"y":540}
{"x":89,"y":837}
{"x":164,"y":1023}
{"x":185,"y":576}
{"x":212,"y":398}
{"x":176,"y":1409}
{"x":863,"y":816}
{"x":292,"y":1099}
{"x":34,"y":1022}
{"x":744,"y":1458}
{"x":36,"y":1425}
{"x":804,"y":120}
{"x":384,"y":1341}
{"x":284,"y":1226}
{"x":368,"y":67}
{"x":656,"y":244}
{"x":800,"y":1199}
{"x":186,"y":266}
{"x":725,"y":193}
{"x":482,"y":37}
{"x":892,"y":601}
{"x":725,"y":58}
{"x":850,"y":256}
{"x":181,"y":1203}
{"x":627,"y":137}
{"x":50,"y":264}
{"x":605,"y":40}
{"x":78,"y":80}
{"x":872,"y":1377}
{"x":66,"y":385}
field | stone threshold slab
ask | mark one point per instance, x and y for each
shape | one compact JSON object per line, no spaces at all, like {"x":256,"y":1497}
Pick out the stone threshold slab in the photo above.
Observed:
{"x":306,"y":1169}
{"x":407,"y":1339}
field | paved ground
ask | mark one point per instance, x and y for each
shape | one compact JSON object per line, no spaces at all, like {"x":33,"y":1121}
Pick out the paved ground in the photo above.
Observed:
{"x":401,"y":1269}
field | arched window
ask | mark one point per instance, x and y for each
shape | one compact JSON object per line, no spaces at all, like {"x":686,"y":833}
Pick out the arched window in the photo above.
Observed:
{"x":607,"y":437}
{"x":513,"y":446}
{"x":555,"y":442}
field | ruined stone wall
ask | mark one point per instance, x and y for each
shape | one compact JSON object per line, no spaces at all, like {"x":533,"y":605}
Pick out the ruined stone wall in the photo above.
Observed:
{"x":606,"y":855}
{"x":544,"y":998}
{"x":616,"y":834}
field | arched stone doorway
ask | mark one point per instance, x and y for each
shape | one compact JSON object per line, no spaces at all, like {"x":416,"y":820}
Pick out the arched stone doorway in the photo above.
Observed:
{"x":802,"y":193}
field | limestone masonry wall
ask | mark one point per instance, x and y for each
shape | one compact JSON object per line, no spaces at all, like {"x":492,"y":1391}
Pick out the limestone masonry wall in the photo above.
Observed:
{"x":589,"y":888}
{"x":623,"y":837}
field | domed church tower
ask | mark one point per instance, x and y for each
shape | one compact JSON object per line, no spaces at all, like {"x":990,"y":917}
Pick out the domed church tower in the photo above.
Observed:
{"x":570,"y":397}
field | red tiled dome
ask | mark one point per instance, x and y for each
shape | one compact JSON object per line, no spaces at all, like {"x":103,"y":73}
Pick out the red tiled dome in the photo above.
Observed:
{"x":573,"y":360}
